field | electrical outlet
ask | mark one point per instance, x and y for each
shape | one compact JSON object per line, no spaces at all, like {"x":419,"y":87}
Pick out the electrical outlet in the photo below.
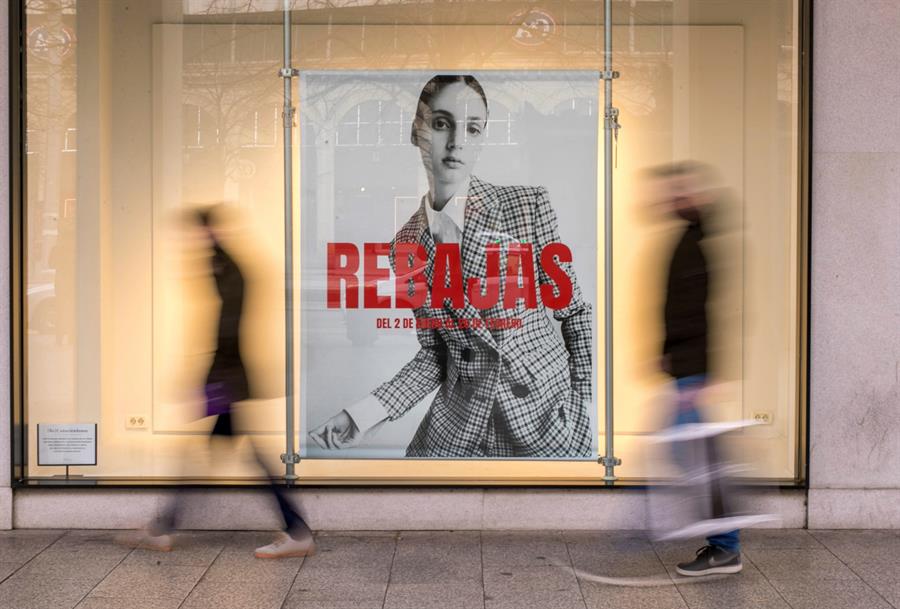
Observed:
{"x":136,"y":421}
{"x":763,"y":417}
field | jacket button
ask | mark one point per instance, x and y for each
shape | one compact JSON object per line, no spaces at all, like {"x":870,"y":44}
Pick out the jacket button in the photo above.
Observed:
{"x":493,"y":356}
{"x":520,"y":391}
{"x":469,"y":393}
{"x":467,"y":355}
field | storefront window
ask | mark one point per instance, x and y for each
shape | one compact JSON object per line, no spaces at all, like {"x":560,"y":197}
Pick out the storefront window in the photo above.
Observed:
{"x":147,"y":122}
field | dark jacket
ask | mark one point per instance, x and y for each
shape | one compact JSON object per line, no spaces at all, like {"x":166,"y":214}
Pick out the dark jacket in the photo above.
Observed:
{"x":226,"y":381}
{"x":687,"y":290}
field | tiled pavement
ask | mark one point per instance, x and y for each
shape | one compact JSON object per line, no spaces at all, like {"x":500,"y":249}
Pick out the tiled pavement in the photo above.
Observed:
{"x":448,"y":570}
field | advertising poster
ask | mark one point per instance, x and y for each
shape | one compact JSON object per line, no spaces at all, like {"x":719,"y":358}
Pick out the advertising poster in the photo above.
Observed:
{"x":448,"y":273}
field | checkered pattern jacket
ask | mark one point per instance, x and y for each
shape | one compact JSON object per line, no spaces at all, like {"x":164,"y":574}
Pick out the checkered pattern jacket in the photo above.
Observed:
{"x":521,"y":392}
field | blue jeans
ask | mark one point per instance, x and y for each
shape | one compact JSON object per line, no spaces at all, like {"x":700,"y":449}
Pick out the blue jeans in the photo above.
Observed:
{"x":687,"y":413}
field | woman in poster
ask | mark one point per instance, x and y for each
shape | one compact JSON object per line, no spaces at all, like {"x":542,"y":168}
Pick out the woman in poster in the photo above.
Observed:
{"x":508,"y":385}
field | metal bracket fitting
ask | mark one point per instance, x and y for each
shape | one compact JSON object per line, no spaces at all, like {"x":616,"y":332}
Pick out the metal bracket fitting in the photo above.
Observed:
{"x":607,"y":461}
{"x":288,"y":72}
{"x":609,"y":74}
{"x":612,"y":118}
{"x":290,"y":458}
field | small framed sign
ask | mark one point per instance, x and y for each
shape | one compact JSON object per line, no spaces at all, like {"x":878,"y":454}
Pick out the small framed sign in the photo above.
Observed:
{"x":67,"y":444}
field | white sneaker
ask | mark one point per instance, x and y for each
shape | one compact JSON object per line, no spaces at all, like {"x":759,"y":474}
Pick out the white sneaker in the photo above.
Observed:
{"x":142,"y":539}
{"x":286,"y":546}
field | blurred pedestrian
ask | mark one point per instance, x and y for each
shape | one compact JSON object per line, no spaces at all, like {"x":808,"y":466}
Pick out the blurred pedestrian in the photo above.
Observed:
{"x":686,"y":355}
{"x":227,"y":384}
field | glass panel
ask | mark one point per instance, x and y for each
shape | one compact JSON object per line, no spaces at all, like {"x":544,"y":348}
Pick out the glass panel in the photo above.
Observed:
{"x":140,"y":113}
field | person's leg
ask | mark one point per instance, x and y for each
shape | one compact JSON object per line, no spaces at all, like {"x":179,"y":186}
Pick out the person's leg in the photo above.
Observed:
{"x":730,"y":541}
{"x":297,"y":538}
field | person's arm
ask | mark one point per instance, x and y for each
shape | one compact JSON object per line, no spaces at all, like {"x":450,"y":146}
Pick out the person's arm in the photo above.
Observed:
{"x":575,"y":317}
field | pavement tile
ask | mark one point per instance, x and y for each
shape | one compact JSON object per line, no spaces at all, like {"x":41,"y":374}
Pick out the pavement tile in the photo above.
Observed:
{"x":8,"y":568}
{"x":462,"y":594}
{"x":237,"y":595}
{"x":609,"y":542}
{"x":292,"y":603}
{"x":746,"y":590}
{"x":160,"y":602}
{"x":527,"y":587}
{"x":890,"y":590}
{"x":43,"y":592}
{"x":353,"y":551}
{"x":189,"y":550}
{"x":644,"y":564}
{"x":241,"y":565}
{"x":69,"y":565}
{"x":146,"y":581}
{"x":20,"y":546}
{"x":778,"y":539}
{"x":340,"y":585}
{"x":533,"y":549}
{"x":800,"y":565}
{"x":601,"y":596}
{"x":831,"y":595}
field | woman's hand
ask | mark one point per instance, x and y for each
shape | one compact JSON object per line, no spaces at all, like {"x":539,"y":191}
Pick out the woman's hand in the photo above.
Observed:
{"x":337,"y":432}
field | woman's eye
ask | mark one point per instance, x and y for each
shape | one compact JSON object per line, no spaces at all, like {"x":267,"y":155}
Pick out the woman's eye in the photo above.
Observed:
{"x":440,"y":123}
{"x":474,"y":130}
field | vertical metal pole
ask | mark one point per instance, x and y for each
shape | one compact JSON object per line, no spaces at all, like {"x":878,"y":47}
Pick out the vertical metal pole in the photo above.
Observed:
{"x":287,"y":73}
{"x":610,"y":126}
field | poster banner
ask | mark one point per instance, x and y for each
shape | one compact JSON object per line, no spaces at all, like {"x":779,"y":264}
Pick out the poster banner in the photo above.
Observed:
{"x":449,"y":265}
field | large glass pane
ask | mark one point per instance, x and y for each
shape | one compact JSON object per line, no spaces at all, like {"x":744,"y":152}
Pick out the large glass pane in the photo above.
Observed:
{"x":139,"y":114}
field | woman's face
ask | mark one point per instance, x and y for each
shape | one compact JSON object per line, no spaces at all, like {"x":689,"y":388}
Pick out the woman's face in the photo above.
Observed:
{"x":451,"y":134}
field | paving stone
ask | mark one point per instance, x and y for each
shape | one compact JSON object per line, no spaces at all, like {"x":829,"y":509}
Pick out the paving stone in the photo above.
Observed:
{"x":160,"y":602}
{"x":533,"y":549}
{"x":146,"y":581}
{"x":600,"y":596}
{"x":237,"y":595}
{"x":608,"y":542}
{"x":8,"y":568}
{"x":800,"y":565}
{"x":748,"y":589}
{"x":428,"y":594}
{"x":340,"y":585}
{"x":532,"y":587}
{"x":831,"y":595}
{"x":20,"y":546}
{"x":778,"y":539}
{"x":40,"y":592}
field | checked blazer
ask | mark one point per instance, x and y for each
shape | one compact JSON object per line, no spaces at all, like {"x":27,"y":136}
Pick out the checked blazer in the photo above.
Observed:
{"x":516,"y":392}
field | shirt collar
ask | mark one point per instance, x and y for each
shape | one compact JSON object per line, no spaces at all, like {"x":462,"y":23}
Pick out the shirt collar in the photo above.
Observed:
{"x":455,"y":209}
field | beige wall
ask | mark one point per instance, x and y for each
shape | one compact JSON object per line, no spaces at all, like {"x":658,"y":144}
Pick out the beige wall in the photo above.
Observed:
{"x":855,"y":292}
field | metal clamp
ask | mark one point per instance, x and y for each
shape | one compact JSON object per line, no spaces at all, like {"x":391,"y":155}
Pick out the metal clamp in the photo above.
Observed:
{"x":610,"y":461}
{"x":290,"y":458}
{"x":288,"y":72}
{"x":609,"y":74}
{"x":612,"y":118}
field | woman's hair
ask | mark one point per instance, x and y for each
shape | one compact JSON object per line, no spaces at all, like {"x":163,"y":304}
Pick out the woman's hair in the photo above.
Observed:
{"x":435,"y":86}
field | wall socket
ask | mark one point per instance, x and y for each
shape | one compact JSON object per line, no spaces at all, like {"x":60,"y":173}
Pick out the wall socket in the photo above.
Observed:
{"x":136,"y":421}
{"x":763,"y":417}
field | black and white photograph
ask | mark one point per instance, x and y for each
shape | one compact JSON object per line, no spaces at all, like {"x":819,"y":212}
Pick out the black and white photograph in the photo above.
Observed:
{"x":448,"y":265}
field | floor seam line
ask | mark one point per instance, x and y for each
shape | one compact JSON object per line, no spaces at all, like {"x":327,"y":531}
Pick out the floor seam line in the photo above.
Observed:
{"x":387,"y":588}
{"x":574,"y":570}
{"x":768,"y":581}
{"x":868,"y":585}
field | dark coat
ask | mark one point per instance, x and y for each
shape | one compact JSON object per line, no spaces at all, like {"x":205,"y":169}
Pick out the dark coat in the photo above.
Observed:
{"x":687,"y":291}
{"x":226,"y":381}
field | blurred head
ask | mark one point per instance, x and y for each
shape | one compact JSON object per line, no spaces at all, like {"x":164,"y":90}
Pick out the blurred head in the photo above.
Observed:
{"x":684,"y":189}
{"x":448,"y":129}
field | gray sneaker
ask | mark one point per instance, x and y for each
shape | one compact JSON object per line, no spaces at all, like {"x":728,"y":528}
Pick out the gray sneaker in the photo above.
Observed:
{"x":711,"y":560}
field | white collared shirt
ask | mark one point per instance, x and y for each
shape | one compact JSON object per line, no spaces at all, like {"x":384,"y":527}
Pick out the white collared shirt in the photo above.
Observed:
{"x":448,"y":224}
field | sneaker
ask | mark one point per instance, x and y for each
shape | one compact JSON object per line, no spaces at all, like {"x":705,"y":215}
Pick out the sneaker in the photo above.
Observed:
{"x":286,"y":546}
{"x":145,"y":541}
{"x":711,"y":560}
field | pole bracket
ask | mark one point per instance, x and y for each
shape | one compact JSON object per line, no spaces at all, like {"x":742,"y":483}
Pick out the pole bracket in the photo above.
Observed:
{"x":609,"y":74}
{"x":290,"y":458}
{"x":609,"y":461}
{"x":288,"y":72}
